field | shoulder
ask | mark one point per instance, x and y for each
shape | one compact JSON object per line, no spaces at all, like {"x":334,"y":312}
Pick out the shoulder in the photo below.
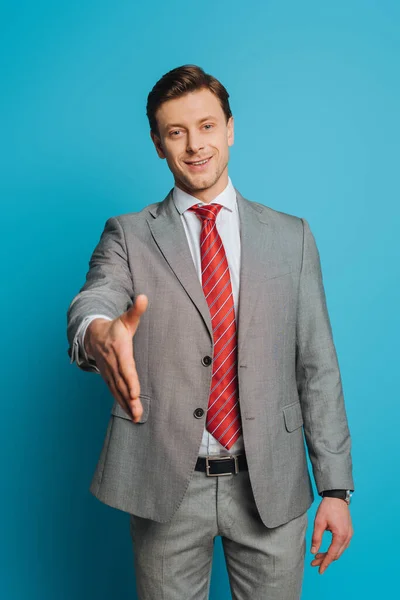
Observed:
{"x":281,"y":221}
{"x":135,"y":220}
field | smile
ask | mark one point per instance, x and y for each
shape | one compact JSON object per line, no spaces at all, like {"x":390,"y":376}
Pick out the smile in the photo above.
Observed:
{"x":198,"y":165}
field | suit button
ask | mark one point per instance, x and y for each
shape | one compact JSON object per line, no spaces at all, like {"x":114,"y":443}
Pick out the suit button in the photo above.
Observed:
{"x":206,"y":361}
{"x":198,"y":413}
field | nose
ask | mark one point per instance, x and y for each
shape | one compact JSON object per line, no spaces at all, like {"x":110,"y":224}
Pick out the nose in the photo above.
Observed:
{"x":194,"y":142}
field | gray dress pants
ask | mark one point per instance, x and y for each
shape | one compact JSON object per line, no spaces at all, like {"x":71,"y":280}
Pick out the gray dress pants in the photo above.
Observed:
{"x":173,"y":560}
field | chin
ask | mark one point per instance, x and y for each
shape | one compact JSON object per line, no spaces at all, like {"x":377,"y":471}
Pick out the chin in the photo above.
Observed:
{"x":205,"y":182}
{"x":198,"y":182}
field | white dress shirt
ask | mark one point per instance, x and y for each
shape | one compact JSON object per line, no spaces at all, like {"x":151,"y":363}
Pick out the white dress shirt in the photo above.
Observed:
{"x":228,"y":226}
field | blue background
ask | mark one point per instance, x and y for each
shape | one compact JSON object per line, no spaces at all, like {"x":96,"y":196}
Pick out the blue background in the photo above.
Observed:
{"x":315,"y":94}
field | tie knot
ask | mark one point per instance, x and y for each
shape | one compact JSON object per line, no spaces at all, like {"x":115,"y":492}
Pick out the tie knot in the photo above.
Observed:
{"x":206,"y":211}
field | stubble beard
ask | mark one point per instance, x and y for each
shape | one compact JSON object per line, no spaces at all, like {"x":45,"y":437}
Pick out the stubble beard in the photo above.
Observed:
{"x":206,"y":184}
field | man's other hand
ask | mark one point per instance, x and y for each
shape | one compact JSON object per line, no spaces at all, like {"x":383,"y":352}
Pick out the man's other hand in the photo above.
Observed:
{"x":111,"y":345}
{"x":333,"y":515}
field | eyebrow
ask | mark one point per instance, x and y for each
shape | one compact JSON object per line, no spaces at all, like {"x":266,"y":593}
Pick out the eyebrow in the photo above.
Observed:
{"x":168,"y":125}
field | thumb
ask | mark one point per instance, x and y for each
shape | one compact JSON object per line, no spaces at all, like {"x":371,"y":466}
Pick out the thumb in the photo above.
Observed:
{"x":131,"y":317}
{"x":316,"y":538}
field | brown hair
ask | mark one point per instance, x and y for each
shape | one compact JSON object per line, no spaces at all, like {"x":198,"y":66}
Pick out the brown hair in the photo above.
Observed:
{"x":180,"y":81}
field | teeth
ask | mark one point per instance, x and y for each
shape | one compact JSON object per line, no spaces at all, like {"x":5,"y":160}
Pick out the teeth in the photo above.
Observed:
{"x":202,"y":162}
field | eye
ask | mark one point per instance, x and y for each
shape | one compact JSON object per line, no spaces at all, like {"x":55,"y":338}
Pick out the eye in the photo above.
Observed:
{"x":208,"y":125}
{"x":175,"y":133}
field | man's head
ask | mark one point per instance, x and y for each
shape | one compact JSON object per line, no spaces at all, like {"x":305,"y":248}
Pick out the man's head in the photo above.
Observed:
{"x":191,"y":120}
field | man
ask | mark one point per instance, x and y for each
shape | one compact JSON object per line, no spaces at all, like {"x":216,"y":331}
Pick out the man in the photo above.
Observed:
{"x":206,"y":315}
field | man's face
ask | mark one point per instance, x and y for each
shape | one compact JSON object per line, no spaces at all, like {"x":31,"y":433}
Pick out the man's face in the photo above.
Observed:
{"x":193,"y":128}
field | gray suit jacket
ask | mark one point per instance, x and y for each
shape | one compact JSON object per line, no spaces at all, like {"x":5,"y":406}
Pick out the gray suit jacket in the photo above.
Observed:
{"x":288,"y":372}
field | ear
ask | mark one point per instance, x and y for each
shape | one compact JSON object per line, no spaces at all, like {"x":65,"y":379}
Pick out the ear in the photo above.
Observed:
{"x":157,"y":144}
{"x":231,"y":132}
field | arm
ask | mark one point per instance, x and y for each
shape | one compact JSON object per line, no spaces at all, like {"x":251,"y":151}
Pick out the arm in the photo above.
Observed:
{"x":103,"y":319}
{"x":108,"y":291}
{"x":318,"y":378}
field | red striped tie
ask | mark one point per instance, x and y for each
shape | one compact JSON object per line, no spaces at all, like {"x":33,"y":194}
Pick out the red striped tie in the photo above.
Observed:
{"x":223,"y":415}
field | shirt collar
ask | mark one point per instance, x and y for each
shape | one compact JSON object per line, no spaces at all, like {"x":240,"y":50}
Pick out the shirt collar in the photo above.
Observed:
{"x":183,"y":200}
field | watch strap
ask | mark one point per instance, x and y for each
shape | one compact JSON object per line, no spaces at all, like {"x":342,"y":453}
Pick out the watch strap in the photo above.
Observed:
{"x":342,"y":494}
{"x":334,"y":493}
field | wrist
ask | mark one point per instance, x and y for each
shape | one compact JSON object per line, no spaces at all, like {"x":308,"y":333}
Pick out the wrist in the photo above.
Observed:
{"x":92,"y":334}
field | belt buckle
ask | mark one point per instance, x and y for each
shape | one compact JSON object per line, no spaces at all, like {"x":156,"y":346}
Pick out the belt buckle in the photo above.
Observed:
{"x":235,"y":458}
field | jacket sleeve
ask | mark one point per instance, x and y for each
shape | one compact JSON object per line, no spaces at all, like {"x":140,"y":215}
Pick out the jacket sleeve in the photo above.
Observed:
{"x":108,"y":289}
{"x":318,"y":378}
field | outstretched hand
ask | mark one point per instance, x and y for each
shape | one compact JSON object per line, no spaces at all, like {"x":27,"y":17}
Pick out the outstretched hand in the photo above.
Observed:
{"x":333,"y":515}
{"x":111,"y":345}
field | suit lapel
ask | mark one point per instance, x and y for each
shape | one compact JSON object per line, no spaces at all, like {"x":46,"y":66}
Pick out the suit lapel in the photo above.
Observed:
{"x":169,"y":234}
{"x":255,"y":244}
{"x":256,"y":256}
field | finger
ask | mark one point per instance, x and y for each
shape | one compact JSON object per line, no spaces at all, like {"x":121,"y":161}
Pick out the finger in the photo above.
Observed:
{"x":332,"y":554}
{"x":127,"y":369}
{"x":118,"y":387}
{"x":108,"y":367}
{"x":317,"y":561}
{"x":120,"y":391}
{"x":109,"y":364}
{"x":132,"y":406}
{"x":319,"y":556}
{"x":136,"y":409}
{"x":344,"y":545}
{"x":319,"y":528}
{"x":131,"y":317}
{"x":116,"y":394}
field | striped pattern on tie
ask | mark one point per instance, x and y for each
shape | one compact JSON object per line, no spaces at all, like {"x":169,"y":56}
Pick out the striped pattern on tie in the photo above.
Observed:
{"x":223,"y":415}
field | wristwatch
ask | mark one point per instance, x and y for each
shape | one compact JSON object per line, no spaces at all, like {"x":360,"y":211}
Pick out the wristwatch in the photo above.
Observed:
{"x":343,"y":494}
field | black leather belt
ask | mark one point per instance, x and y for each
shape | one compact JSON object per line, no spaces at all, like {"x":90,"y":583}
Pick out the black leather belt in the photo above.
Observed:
{"x":221,"y":465}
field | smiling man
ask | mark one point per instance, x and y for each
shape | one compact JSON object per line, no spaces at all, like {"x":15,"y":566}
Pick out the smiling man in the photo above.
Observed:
{"x":205,"y":313}
{"x":193,"y":133}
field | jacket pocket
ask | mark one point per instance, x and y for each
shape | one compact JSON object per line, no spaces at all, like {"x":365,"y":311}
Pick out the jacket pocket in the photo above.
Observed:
{"x":293,"y":416}
{"x":118,"y":411}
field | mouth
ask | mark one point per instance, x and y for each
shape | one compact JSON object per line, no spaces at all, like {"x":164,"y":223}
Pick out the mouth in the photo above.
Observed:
{"x":199,"y":165}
